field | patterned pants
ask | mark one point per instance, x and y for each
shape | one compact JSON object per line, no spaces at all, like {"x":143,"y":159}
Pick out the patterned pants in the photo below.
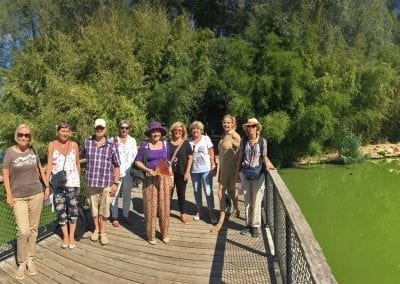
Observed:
{"x":156,"y":199}
{"x":66,"y":204}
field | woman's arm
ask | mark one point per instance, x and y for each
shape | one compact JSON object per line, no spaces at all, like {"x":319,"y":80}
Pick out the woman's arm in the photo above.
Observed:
{"x":267,"y":163}
{"x":189,"y":166}
{"x":49,"y":167}
{"x":212,"y":157}
{"x":7,"y":186}
{"x":78,"y":162}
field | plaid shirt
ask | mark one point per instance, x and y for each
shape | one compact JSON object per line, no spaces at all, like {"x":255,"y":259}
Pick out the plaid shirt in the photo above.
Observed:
{"x":100,"y":162}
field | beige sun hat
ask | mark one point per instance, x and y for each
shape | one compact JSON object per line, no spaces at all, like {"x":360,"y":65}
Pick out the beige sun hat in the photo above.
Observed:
{"x":252,"y":121}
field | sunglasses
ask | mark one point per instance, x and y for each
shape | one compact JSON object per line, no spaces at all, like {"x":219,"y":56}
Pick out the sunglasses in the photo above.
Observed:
{"x":124,"y":128}
{"x":251,"y":126}
{"x":26,"y":135}
{"x":99,"y":128}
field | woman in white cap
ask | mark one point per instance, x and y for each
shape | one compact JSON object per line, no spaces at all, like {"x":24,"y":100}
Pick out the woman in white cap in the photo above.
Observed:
{"x":252,"y":162}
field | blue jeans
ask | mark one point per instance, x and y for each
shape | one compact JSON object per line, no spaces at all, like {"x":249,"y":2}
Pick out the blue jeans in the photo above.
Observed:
{"x":203,"y":180}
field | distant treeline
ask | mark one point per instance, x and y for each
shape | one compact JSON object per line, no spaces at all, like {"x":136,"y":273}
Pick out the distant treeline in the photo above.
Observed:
{"x":314,"y":72}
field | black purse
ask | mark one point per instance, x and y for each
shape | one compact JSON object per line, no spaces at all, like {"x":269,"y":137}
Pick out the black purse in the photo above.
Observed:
{"x":59,"y":179}
{"x":137,"y":173}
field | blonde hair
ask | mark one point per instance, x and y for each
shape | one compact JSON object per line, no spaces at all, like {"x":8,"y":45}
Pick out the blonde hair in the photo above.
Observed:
{"x":197,"y":124}
{"x":179,"y":124}
{"x":23,"y":125}
{"x":232,"y":118}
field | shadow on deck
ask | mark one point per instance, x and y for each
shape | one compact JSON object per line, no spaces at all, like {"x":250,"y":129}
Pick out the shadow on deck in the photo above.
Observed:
{"x":194,"y":255}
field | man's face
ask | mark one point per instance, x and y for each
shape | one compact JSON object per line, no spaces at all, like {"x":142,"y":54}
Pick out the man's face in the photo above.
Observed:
{"x":100,"y":131}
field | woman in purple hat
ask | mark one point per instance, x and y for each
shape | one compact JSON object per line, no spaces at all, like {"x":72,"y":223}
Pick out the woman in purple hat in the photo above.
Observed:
{"x":152,"y":158}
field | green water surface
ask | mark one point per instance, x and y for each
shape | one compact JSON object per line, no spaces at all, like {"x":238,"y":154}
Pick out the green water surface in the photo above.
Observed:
{"x":354,"y":212}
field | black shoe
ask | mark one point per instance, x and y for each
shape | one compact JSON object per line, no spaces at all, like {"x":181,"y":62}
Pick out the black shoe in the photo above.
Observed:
{"x":245,"y":230}
{"x":255,"y":232}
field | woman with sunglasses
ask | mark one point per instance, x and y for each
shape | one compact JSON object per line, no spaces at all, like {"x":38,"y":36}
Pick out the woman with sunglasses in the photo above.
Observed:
{"x":127,"y":149}
{"x":63,"y":154}
{"x":24,"y":188}
{"x":181,"y":164}
{"x":250,"y":170}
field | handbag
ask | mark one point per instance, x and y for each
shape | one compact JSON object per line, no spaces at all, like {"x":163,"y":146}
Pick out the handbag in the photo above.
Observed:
{"x":59,"y":179}
{"x":137,"y":173}
{"x":252,"y":172}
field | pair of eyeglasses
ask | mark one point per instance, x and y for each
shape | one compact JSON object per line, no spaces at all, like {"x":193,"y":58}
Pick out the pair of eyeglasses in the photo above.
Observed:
{"x":26,"y":135}
{"x":124,"y":128}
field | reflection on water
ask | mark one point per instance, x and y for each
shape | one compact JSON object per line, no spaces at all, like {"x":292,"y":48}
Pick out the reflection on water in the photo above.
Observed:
{"x":354,"y":211}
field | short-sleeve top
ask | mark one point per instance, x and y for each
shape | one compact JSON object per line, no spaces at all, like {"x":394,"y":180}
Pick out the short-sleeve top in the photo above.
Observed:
{"x":152,"y":156}
{"x":201,"y":158}
{"x":100,"y":162}
{"x":179,"y":164}
{"x":24,"y":176}
{"x":70,"y":168}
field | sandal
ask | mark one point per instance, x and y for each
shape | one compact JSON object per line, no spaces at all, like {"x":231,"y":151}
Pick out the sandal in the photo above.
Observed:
{"x":236,"y":214}
{"x":216,"y":228}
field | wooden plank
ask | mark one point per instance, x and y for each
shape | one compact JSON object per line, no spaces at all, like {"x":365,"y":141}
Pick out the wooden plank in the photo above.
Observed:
{"x":103,"y":259}
{"x":11,"y":269}
{"x":194,"y":254}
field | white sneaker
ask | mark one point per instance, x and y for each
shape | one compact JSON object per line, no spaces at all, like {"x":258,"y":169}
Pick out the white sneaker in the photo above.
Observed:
{"x":196,"y":217}
{"x":32,"y":269}
{"x":20,"y":274}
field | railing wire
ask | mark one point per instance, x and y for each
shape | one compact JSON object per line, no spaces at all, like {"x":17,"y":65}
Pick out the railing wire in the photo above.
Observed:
{"x":298,"y":254}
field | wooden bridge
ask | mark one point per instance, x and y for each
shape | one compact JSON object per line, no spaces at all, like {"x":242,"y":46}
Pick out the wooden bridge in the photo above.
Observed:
{"x":194,"y":254}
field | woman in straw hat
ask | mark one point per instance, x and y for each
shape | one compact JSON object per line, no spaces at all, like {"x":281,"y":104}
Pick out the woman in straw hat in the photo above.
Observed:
{"x":252,"y":162}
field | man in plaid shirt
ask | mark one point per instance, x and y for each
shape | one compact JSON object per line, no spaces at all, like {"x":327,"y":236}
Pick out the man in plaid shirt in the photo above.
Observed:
{"x":102,"y":177}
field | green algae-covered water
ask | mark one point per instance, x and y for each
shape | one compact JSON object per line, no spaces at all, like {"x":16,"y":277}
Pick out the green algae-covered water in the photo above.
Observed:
{"x":354,"y":212}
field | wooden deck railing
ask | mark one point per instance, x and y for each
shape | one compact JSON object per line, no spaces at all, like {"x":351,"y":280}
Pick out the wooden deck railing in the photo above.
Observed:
{"x":298,"y":254}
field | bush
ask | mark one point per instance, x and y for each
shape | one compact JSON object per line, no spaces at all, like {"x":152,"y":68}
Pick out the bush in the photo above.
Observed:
{"x":349,"y":148}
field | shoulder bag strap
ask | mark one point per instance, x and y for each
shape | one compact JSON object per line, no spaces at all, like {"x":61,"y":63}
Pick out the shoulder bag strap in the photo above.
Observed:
{"x":176,"y":151}
{"x":39,"y":166}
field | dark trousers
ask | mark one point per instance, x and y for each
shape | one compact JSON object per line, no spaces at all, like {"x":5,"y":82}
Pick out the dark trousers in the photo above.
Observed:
{"x":180,"y":185}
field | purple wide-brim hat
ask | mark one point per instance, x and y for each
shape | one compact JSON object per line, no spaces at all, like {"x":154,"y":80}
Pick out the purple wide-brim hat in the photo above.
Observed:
{"x":155,"y":125}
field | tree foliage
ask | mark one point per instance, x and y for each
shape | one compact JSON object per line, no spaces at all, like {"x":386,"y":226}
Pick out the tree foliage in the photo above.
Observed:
{"x":307,"y":69}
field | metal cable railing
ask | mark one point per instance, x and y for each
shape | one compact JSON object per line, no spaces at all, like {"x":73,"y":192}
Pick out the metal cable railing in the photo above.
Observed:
{"x":8,"y":226}
{"x":296,"y":251}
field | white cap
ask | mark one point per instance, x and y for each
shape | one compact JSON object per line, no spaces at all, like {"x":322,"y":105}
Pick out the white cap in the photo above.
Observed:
{"x":100,"y":122}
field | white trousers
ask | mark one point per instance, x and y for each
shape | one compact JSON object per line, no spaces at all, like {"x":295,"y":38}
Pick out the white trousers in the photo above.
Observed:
{"x":253,"y":197}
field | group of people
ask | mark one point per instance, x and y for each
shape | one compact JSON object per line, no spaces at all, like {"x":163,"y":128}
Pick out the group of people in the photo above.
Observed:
{"x":166,"y":164}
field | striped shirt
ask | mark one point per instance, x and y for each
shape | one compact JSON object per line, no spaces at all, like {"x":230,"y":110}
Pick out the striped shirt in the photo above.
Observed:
{"x":100,"y":162}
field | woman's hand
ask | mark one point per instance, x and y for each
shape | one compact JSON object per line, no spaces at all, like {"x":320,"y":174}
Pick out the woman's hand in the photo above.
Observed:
{"x":10,"y":200}
{"x":151,"y":172}
{"x":46,"y":193}
{"x":186,"y":176}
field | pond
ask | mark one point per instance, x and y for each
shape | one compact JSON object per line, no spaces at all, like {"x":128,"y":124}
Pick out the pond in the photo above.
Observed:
{"x":354,"y":212}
